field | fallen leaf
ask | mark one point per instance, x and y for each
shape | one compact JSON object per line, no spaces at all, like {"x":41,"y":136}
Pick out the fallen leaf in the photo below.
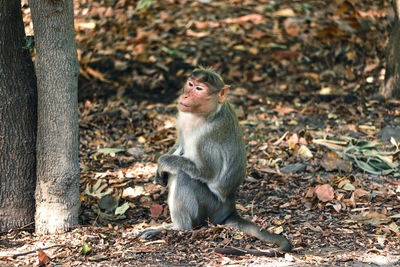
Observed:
{"x":246,"y":18}
{"x":191,"y":33}
{"x":287,"y":12}
{"x":394,"y":227}
{"x":86,"y":249}
{"x":332,"y":162}
{"x":122,"y":209}
{"x":97,"y":74}
{"x":43,"y":258}
{"x":374,"y":217}
{"x":293,"y":140}
{"x":360,"y":193}
{"x":349,"y":187}
{"x":133,"y":192}
{"x":324,"y":192}
{"x":310,"y":192}
{"x":156,"y":210}
{"x":141,"y":140}
{"x":346,"y":6}
{"x":304,"y":152}
{"x":284,"y":110}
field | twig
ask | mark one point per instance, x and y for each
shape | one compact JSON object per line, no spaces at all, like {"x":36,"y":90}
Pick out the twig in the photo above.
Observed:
{"x":25,"y":226}
{"x":277,"y":142}
{"x":34,"y":250}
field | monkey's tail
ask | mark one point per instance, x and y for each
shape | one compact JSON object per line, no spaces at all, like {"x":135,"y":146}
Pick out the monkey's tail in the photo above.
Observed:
{"x":253,"y":229}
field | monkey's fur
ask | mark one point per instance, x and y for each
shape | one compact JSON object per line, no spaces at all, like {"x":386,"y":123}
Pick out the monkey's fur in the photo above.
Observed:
{"x":204,"y":170}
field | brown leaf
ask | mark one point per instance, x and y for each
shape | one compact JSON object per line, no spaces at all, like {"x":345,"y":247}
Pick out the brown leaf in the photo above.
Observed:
{"x":310,"y":192}
{"x":346,"y":6}
{"x":324,"y":192}
{"x":332,"y":162}
{"x":293,"y":140}
{"x":374,"y":217}
{"x":246,"y":18}
{"x":285,"y":54}
{"x":43,"y":258}
{"x":156,"y":210}
{"x":257,"y":35}
{"x":189,"y":32}
{"x":286,"y":12}
{"x":291,"y":27}
{"x":97,"y":75}
{"x":284,"y":110}
{"x":360,"y":193}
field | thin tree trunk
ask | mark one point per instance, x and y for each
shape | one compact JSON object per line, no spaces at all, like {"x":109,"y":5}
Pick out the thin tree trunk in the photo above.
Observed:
{"x":17,"y":121}
{"x":391,"y":88}
{"x":57,"y":189}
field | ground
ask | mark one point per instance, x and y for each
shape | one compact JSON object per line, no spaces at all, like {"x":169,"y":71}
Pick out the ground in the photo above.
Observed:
{"x":303,"y":76}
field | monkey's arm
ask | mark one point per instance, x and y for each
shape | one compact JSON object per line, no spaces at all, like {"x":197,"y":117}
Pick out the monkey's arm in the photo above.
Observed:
{"x":174,"y":148}
{"x":172,"y":164}
{"x":162,"y":177}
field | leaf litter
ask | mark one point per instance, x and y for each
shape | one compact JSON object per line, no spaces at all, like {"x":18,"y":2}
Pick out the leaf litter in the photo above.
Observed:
{"x":296,"y":69}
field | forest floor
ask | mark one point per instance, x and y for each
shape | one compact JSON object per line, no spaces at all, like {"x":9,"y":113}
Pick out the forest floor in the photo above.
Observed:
{"x":322,"y":147}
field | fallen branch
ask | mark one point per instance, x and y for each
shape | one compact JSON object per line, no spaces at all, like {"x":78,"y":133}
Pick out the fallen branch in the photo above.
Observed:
{"x":32,"y":251}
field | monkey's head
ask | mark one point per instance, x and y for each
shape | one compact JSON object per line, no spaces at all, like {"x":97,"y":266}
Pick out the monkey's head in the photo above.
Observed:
{"x":202,"y":92}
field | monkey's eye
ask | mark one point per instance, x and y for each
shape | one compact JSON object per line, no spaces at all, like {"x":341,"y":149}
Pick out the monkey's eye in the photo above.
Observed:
{"x":190,"y":83}
{"x":199,"y":88}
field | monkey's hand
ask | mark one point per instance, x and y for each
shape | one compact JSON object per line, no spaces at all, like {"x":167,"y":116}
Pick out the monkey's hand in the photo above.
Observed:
{"x":173,"y":164}
{"x":161,"y":178}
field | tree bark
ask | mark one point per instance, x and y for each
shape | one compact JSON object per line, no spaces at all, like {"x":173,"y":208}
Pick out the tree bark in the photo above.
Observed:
{"x":391,"y":87}
{"x":17,"y":121}
{"x":57,"y":189}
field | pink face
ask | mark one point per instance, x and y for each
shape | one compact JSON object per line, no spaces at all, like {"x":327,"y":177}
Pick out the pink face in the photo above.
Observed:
{"x":197,"y":98}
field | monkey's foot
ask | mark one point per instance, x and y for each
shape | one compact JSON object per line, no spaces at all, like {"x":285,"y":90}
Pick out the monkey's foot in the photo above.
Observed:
{"x":149,"y":233}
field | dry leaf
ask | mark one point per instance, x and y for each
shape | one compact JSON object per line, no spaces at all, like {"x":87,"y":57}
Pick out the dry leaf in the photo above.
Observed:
{"x":287,"y":12}
{"x":97,"y":75}
{"x":293,"y":140}
{"x":310,"y":192}
{"x":349,"y":187}
{"x":43,"y":258}
{"x":284,"y":110}
{"x":246,"y":18}
{"x":156,"y":210}
{"x":324,"y":192}
{"x":189,"y":32}
{"x":304,"y":152}
{"x":374,"y":217}
{"x":360,"y":193}
{"x":332,"y":162}
{"x":133,"y":192}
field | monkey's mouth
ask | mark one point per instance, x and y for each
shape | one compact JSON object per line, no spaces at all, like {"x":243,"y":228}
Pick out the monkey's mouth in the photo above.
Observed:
{"x":186,"y":106}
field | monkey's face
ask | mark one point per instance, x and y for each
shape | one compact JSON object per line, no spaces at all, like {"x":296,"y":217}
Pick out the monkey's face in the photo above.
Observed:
{"x":198,"y":98}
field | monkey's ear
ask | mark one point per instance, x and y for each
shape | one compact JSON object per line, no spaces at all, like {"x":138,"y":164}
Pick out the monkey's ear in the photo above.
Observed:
{"x":222,"y":94}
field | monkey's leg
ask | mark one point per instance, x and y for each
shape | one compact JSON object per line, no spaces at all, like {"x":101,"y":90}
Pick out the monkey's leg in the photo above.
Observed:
{"x":154,"y":231}
{"x":191,"y":202}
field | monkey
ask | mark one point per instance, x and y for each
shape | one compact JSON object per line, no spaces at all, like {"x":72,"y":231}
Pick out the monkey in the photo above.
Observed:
{"x":207,"y":164}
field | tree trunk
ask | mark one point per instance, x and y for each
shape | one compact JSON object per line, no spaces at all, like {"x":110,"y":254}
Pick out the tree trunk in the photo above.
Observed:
{"x":391,"y":88}
{"x":57,"y":188}
{"x":17,"y":121}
